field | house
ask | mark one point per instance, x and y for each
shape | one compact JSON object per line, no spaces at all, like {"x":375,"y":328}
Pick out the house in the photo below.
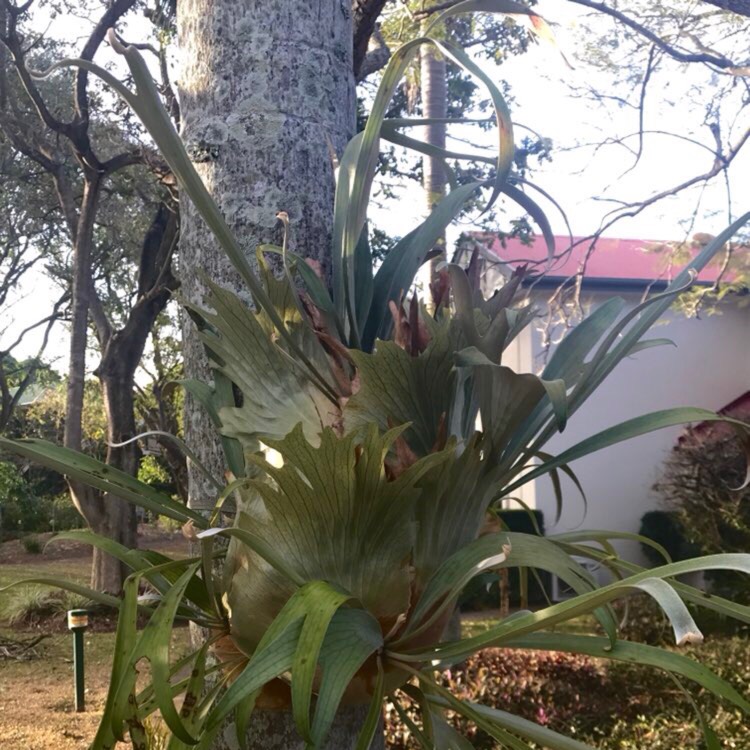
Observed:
{"x":709,"y":368}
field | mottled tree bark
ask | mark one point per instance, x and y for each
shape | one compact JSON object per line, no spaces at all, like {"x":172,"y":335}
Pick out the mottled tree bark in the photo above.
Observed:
{"x":266,"y":94}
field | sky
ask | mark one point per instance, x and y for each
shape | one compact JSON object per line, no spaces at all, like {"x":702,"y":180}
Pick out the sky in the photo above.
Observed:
{"x":577,"y":177}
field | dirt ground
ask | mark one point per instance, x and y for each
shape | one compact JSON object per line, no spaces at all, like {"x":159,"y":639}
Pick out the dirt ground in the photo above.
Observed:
{"x":36,"y":695}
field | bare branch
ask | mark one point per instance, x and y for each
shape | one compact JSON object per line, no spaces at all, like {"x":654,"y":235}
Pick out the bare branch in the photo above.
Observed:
{"x":377,"y":56}
{"x":718,"y":61}
{"x":740,"y":7}
{"x":10,"y":38}
{"x":423,"y":13}
{"x":51,"y":318}
{"x":365,"y":14}
{"x":113,"y":14}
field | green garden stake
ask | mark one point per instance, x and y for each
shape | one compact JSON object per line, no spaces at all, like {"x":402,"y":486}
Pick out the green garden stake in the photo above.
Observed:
{"x":78,"y":621}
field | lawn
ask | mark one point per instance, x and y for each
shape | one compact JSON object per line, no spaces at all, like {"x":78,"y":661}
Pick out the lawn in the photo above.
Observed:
{"x":620,"y":707}
{"x":36,"y":696}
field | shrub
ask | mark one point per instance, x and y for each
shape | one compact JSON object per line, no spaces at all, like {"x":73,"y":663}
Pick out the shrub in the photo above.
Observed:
{"x":32,"y":545}
{"x":614,"y":707}
{"x":31,"y":604}
{"x":24,"y":513}
{"x":698,"y":486}
{"x":152,"y":471}
{"x":34,"y":605}
{"x":549,"y":688}
{"x":665,"y":528}
{"x":64,"y":515}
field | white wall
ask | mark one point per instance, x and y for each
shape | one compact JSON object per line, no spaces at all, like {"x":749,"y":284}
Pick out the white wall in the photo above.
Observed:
{"x":709,"y":368}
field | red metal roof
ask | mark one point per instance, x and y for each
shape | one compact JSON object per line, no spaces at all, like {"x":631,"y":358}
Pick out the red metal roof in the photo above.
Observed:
{"x":613,"y":259}
{"x":738,"y":409}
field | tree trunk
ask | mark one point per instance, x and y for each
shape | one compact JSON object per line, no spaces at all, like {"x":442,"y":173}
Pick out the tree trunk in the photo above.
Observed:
{"x":86,"y":499}
{"x":266,"y":93}
{"x":434,"y":93}
{"x":118,"y":519}
{"x":82,"y":240}
{"x":107,"y":514}
{"x":275,"y":730}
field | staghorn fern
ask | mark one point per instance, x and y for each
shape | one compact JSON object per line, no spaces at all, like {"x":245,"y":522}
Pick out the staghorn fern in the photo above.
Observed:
{"x":351,"y":539}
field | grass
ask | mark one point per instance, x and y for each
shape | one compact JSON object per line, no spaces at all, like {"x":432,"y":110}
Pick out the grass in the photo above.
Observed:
{"x":36,"y":696}
{"x":476,"y":623}
{"x":641,"y":707}
{"x":74,"y":569}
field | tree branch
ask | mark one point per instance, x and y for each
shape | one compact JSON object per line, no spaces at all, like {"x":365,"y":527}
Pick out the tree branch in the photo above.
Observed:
{"x":718,"y":61}
{"x":365,"y":14}
{"x":113,"y":14}
{"x":12,"y":42}
{"x":740,"y":7}
{"x":376,"y":58}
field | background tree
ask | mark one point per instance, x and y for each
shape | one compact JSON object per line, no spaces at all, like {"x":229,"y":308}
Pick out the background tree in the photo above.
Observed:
{"x":25,"y":228}
{"x":644,"y":58}
{"x":114,"y":218}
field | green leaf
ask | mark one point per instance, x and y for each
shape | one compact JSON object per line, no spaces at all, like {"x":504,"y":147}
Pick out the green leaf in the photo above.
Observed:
{"x":391,"y":134}
{"x":624,"y":431}
{"x":634,"y":653}
{"x":62,"y":583}
{"x":153,"y":645}
{"x":537,"y":214}
{"x":396,"y":274}
{"x":327,"y":602}
{"x":616,"y":346}
{"x":506,"y":399}
{"x":353,"y":636}
{"x":688,"y":593}
{"x":342,"y":255}
{"x":582,"y":604}
{"x":505,"y":7}
{"x":546,"y":737}
{"x":191,"y":701}
{"x":374,"y":713}
{"x":440,"y":734}
{"x":396,"y":388}
{"x":467,"y":710}
{"x":143,"y":561}
{"x":213,"y":400}
{"x":272,"y":659}
{"x":363,"y":279}
{"x":567,"y":360}
{"x":282,"y":648}
{"x":260,"y":546}
{"x":602,"y":536}
{"x":506,"y":147}
{"x":330,"y":513}
{"x":105,"y":478}
{"x":554,"y":475}
{"x":685,"y":629}
{"x":147,"y":104}
{"x":503,"y":550}
{"x":275,"y":394}
{"x":361,"y":160}
{"x":125,"y":637}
